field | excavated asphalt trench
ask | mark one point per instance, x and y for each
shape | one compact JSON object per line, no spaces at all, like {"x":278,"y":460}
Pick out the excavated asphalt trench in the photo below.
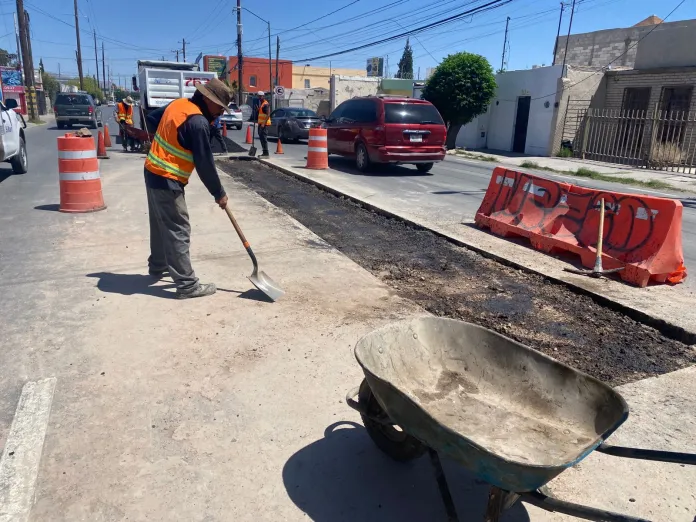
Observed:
{"x":451,"y":281}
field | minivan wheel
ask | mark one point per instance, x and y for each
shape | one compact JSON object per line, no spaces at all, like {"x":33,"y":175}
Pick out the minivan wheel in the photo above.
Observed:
{"x":424,"y":167}
{"x":362,"y":158}
{"x":60,"y":125}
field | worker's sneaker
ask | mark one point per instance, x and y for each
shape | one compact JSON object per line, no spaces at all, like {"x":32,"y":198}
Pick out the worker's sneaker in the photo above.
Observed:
{"x":158,"y":274}
{"x":264,"y":155}
{"x":199,"y":291}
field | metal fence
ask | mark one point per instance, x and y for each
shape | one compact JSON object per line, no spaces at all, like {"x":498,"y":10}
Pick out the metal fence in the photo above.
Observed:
{"x":659,"y":140}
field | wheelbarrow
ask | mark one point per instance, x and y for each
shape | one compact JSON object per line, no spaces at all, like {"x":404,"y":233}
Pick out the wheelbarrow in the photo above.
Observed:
{"x":509,"y":414}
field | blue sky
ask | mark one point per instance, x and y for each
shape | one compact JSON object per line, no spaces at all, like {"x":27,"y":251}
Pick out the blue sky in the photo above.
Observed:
{"x":133,"y":30}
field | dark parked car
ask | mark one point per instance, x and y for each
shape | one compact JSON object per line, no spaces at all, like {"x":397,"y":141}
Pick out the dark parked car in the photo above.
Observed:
{"x":387,"y":129}
{"x":75,"y":107}
{"x":293,"y":123}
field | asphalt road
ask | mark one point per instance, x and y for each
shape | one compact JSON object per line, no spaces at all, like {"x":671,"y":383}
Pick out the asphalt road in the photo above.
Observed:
{"x":456,"y":187}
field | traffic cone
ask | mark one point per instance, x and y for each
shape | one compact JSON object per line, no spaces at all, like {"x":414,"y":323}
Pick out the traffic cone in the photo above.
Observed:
{"x":248,"y":136}
{"x":224,"y":130}
{"x":101,"y":150}
{"x":107,"y":137}
{"x":279,"y":147}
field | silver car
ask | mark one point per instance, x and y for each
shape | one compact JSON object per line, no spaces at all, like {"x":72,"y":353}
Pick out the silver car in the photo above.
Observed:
{"x":233,"y":118}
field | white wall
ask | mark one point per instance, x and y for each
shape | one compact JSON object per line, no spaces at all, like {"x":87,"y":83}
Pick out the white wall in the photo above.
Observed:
{"x":541,"y":84}
{"x":346,"y":87}
{"x":469,"y":136}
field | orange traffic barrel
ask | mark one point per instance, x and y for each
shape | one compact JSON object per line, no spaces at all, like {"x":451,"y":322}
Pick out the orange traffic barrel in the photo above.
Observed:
{"x":78,"y":172}
{"x":317,"y":152}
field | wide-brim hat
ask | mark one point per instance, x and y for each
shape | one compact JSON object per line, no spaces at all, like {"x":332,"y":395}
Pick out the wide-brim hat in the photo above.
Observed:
{"x":217,"y":92}
{"x":128,"y":100}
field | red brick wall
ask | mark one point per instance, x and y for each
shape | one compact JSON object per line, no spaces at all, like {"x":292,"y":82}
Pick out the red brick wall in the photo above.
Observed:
{"x":258,"y":68}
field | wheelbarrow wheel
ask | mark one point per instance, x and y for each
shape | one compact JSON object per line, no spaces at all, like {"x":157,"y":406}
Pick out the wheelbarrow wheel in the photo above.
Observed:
{"x":390,"y":439}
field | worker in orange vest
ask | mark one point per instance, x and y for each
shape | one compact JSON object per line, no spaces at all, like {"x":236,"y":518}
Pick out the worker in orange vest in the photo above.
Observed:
{"x":263,"y":121}
{"x":181,"y":143}
{"x":124,"y":116}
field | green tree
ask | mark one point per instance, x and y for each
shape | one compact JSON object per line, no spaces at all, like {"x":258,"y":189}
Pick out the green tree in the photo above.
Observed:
{"x":8,"y":59}
{"x":50,"y":85}
{"x":461,"y":88}
{"x":406,"y":63}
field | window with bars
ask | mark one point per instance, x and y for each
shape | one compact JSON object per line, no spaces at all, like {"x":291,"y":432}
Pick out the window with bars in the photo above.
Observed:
{"x":636,"y":99}
{"x":674,"y":107}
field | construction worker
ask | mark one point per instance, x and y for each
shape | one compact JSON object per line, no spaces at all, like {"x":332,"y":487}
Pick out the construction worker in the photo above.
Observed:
{"x":263,"y":121}
{"x":124,"y":116}
{"x":181,"y":143}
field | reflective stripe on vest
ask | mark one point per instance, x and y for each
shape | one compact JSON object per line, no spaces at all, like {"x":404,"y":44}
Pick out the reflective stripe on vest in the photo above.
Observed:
{"x":166,"y":157}
{"x":264,"y":119}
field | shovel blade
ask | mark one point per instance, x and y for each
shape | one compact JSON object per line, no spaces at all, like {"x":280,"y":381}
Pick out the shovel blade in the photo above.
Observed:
{"x":252,"y":151}
{"x":266,"y":285}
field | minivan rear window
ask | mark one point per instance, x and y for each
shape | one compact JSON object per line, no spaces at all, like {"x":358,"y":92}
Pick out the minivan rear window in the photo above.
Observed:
{"x":413,"y":113}
{"x":72,"y":99}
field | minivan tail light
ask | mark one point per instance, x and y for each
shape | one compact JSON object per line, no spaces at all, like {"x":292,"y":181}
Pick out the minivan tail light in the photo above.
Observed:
{"x":90,"y":110}
{"x":380,"y":135}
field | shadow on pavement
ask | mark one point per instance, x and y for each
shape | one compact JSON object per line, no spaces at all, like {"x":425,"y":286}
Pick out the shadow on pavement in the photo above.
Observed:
{"x":344,"y":477}
{"x":130,"y":284}
{"x":689,"y":203}
{"x":53,"y":207}
{"x":347,"y":165}
{"x":7,"y":173}
{"x":254,"y":294}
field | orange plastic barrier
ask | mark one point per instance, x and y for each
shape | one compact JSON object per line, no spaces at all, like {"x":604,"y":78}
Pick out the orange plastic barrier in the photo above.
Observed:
{"x":641,"y":233}
{"x":78,"y":168}
{"x":317,"y":151}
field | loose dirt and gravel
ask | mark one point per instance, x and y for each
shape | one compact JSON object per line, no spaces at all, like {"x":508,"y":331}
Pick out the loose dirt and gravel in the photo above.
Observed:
{"x":451,"y":281}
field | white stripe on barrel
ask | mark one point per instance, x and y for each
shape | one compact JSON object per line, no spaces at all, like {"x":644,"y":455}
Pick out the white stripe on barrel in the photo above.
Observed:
{"x":78,"y":176}
{"x":317,"y":149}
{"x":317,"y":138}
{"x":77,"y":154}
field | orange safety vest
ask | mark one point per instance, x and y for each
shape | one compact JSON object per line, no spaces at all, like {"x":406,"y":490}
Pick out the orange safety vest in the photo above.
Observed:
{"x":166,"y":157}
{"x":125,"y":112}
{"x":264,"y":120}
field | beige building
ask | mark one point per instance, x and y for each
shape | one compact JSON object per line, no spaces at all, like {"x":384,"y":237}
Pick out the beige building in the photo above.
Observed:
{"x":308,"y":77}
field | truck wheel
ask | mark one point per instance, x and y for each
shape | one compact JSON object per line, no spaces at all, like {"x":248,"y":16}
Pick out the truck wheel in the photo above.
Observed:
{"x":19,"y":163}
{"x":60,"y":125}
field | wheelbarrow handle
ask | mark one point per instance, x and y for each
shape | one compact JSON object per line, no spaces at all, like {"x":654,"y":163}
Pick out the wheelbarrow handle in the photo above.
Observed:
{"x":644,"y":454}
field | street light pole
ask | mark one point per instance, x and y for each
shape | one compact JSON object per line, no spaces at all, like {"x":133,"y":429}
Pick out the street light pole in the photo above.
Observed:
{"x":240,"y":58}
{"x":270,"y":67}
{"x":558,"y":34}
{"x":570,"y":25}
{"x":79,"y":50}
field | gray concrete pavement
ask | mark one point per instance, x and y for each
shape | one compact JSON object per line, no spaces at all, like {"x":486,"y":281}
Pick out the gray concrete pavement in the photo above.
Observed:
{"x":456,"y":187}
{"x":229,"y":408}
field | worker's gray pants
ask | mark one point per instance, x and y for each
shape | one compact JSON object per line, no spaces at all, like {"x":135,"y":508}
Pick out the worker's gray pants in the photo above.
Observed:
{"x":263,"y":138}
{"x":170,"y":237}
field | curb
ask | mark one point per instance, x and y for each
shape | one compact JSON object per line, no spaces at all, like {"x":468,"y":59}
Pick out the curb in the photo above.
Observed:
{"x":669,"y":330}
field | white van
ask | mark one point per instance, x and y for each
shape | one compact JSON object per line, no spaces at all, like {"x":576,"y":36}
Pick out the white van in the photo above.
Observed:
{"x":13,"y":148}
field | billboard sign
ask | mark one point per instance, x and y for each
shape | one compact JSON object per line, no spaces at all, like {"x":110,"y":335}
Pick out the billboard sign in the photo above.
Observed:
{"x":11,"y":79}
{"x":375,"y":66}
{"x":216,"y":64}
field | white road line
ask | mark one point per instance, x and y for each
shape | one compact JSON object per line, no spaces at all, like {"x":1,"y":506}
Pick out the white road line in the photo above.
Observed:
{"x":19,"y":465}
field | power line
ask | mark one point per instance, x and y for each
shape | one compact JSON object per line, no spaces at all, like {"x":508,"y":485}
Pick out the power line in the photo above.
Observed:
{"x":494,"y":4}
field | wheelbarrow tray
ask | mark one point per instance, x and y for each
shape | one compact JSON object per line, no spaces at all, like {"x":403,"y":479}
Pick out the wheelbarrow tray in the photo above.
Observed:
{"x":511,"y":415}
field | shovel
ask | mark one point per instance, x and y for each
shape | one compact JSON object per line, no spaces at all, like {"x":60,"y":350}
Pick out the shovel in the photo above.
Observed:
{"x":252,"y":153}
{"x":259,"y":279}
{"x":597,"y":271}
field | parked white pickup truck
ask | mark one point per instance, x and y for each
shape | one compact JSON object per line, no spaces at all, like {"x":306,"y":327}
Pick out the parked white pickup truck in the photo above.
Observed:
{"x":13,"y":148}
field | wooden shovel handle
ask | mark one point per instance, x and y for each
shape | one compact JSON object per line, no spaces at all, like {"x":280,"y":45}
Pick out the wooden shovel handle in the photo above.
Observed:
{"x":236,"y":227}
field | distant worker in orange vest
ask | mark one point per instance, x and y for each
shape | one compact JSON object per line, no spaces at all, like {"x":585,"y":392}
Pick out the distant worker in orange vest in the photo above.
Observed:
{"x":263,"y":122}
{"x":124,"y":116}
{"x":181,"y":143}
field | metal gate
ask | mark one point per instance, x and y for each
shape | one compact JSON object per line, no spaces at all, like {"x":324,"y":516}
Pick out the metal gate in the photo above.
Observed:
{"x":572,"y":121}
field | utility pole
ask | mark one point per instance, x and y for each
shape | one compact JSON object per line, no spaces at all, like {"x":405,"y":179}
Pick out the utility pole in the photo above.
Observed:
{"x":96,"y":56}
{"x":183,"y":49}
{"x":59,"y":70}
{"x":277,"y":78}
{"x":502,"y":62}
{"x":558,"y":34}
{"x":103,"y":68}
{"x":570,"y":25}
{"x":270,"y":68}
{"x":240,"y":83}
{"x":79,"y":50}
{"x":177,"y":54}
{"x":19,"y":45}
{"x":26,"y":59}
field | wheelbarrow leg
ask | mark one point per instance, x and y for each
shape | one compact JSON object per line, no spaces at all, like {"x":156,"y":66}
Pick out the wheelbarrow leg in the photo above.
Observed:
{"x":442,"y":485}
{"x":498,"y":501}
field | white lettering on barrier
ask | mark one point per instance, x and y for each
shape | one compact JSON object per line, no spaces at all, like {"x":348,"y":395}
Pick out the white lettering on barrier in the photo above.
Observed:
{"x":509,"y":182}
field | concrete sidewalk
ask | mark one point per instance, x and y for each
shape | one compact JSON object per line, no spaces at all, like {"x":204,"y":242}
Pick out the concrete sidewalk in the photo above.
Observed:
{"x":676,"y":180}
{"x":674,"y":305}
{"x":230,"y":408}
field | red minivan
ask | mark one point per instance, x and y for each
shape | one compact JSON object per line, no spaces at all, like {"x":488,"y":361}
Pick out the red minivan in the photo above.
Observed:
{"x":387,"y":129}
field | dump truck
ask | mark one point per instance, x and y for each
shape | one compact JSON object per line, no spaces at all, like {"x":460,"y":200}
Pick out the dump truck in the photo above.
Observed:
{"x":161,"y":82}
